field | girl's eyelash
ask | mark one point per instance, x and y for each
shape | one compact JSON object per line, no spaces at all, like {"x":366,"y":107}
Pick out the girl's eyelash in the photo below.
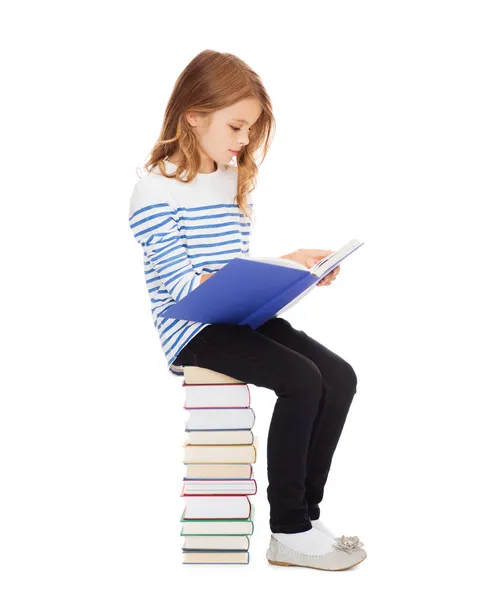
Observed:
{"x":238,"y":128}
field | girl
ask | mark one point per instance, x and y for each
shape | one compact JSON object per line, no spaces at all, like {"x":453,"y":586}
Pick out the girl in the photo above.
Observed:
{"x":191,"y":215}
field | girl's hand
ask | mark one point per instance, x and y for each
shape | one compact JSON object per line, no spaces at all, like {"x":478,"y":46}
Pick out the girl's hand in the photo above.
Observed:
{"x":327,"y":280}
{"x":309,"y":258}
{"x":205,"y":276}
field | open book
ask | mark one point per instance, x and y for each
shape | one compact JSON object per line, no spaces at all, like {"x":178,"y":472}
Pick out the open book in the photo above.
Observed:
{"x":250,"y":290}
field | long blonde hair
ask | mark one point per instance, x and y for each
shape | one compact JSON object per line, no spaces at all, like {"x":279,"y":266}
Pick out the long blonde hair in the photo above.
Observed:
{"x":212,"y":81}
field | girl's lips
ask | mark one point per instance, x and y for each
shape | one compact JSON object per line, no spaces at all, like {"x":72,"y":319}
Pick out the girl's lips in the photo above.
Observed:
{"x":233,"y":152}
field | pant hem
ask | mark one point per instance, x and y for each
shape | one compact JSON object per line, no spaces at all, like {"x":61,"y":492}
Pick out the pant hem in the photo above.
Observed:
{"x":293,"y":528}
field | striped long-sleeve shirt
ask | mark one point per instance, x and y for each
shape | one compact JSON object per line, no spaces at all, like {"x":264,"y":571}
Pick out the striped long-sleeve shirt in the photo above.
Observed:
{"x":185,"y":229}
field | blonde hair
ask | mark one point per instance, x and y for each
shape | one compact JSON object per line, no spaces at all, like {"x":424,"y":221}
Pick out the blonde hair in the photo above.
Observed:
{"x":212,"y":81}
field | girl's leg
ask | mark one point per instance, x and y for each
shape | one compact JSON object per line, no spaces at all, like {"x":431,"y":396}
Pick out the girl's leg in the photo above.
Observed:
{"x":248,"y":355}
{"x":338,"y":389}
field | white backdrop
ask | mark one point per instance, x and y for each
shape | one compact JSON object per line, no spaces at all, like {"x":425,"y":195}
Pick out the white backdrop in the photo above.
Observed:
{"x":383,"y":128}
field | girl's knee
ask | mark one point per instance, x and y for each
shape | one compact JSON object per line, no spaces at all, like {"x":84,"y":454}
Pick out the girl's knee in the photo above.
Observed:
{"x":352,"y":375}
{"x":304,"y":377}
{"x":348,"y":377}
{"x":341,"y":375}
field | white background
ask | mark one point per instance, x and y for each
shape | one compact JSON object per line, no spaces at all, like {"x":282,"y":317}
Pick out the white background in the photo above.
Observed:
{"x":383,"y":128}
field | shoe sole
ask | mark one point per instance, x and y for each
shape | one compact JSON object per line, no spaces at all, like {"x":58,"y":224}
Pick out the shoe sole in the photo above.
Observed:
{"x":286,"y":564}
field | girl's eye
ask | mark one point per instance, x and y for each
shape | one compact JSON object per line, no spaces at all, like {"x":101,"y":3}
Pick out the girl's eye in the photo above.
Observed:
{"x":238,"y":128}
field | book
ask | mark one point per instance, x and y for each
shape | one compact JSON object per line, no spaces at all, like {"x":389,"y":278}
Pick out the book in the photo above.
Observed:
{"x":242,"y":453}
{"x":218,"y":527}
{"x":219,"y":437}
{"x":202,"y":376}
{"x":229,"y":395}
{"x":251,"y":290}
{"x":218,"y":471}
{"x":215,"y":557}
{"x":216,"y":542}
{"x":202,"y":487}
{"x":219,"y":418}
{"x":216,"y":506}
{"x":218,"y":515}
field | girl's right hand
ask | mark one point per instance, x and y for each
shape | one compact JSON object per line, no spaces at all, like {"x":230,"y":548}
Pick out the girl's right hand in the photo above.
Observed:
{"x":308,"y":257}
{"x":205,"y":276}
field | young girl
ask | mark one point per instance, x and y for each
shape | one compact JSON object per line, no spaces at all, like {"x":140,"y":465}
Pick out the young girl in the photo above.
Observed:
{"x":191,"y":216}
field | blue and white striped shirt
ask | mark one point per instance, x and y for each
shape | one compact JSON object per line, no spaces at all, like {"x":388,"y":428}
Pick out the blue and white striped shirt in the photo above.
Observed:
{"x":186,"y":229}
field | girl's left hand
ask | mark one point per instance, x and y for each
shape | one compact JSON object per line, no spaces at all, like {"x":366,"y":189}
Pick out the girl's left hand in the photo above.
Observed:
{"x":311,"y":259}
{"x":327,"y":280}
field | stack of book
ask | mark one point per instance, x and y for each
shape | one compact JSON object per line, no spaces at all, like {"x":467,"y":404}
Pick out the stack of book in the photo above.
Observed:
{"x":219,"y":450}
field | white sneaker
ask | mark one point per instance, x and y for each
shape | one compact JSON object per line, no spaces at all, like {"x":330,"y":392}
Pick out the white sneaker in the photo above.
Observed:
{"x":347,"y":553}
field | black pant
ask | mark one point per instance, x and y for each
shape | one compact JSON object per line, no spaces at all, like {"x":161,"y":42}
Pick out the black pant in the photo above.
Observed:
{"x":315,"y":388}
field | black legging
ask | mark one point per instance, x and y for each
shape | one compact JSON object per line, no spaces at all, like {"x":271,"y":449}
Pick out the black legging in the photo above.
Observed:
{"x":315,"y":388}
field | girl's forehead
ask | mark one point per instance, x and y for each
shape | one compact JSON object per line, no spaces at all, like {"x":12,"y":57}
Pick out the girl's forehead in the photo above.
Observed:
{"x":245,"y":111}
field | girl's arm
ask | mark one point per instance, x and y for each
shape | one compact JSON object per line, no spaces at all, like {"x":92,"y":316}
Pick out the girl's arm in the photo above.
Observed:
{"x":153,"y":221}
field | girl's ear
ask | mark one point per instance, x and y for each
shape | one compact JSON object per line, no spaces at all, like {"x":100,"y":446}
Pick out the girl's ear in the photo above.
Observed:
{"x":191,"y":118}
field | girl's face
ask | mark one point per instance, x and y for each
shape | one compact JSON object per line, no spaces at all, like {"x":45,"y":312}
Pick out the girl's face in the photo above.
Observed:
{"x":224,"y":130}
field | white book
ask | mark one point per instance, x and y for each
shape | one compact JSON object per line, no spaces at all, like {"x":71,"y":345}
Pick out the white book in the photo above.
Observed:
{"x":217,"y":507}
{"x":217,"y":396}
{"x":219,"y":418}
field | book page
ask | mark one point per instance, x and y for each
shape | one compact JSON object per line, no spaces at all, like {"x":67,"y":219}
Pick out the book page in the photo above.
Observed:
{"x":328,"y":263}
{"x":282,"y":262}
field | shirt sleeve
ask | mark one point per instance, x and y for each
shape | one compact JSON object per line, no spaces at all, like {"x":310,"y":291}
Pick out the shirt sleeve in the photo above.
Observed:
{"x":153,"y":221}
{"x":249,"y":236}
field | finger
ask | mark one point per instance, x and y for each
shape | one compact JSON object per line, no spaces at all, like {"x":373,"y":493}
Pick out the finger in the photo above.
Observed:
{"x":317,"y":253}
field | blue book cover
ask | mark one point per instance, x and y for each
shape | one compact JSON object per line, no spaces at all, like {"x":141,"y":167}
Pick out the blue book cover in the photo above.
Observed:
{"x":250,"y":291}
